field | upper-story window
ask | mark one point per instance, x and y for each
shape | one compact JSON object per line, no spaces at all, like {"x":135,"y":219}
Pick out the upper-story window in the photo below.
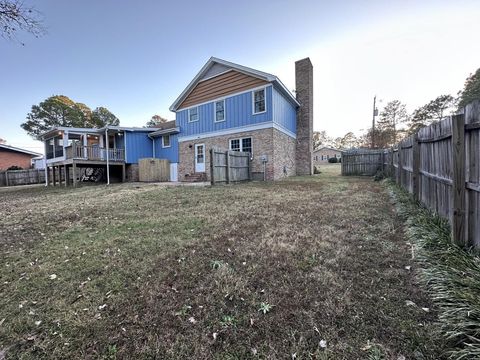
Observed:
{"x":166,"y":141}
{"x":193,"y":114}
{"x":259,"y":105}
{"x":219,"y":110}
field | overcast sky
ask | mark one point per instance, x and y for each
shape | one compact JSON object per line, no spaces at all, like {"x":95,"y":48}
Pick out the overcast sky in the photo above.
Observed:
{"x":135,"y":57}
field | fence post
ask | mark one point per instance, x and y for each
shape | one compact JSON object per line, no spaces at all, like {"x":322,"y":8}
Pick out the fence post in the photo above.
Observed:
{"x":399,"y":164}
{"x":6,"y":178}
{"x":416,"y":167}
{"x":227,"y":159}
{"x":342,"y":166}
{"x":392,"y":168}
{"x":458,"y":153}
{"x":212,"y":172}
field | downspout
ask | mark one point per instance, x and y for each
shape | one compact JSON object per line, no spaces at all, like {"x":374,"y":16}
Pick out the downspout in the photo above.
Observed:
{"x":108,"y":167}
{"x":45,"y":162}
{"x":153,"y":144}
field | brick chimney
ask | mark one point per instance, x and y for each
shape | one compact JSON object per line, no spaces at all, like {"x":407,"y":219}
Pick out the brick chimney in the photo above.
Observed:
{"x":304,"y":90}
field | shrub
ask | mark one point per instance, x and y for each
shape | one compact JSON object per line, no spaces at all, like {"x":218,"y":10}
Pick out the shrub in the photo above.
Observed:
{"x":450,"y":273}
{"x":15,"y":167}
{"x":333,"y":160}
{"x":316,"y":170}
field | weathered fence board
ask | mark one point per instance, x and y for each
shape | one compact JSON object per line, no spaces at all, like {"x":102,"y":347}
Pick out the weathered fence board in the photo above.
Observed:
{"x":22,"y":177}
{"x":229,"y":166}
{"x":153,"y":170}
{"x":440,"y":166}
{"x":361,"y":162}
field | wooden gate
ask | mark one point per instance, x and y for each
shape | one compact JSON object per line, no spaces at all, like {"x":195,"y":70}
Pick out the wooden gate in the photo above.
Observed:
{"x":229,"y":166}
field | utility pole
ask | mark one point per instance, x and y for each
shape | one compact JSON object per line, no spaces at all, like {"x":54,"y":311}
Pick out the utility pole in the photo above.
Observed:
{"x":373,"y":120}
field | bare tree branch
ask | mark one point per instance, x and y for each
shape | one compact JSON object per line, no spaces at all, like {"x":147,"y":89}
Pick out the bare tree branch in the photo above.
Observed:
{"x":15,"y":16}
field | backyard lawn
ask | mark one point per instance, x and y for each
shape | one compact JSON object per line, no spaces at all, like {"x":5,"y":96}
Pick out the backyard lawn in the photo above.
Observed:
{"x":310,"y":267}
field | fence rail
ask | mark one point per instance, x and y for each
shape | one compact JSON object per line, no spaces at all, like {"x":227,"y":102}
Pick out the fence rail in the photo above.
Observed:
{"x":440,"y":166}
{"x":229,"y":166}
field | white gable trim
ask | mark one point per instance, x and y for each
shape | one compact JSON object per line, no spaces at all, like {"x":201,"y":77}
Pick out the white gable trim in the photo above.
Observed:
{"x":264,"y":125}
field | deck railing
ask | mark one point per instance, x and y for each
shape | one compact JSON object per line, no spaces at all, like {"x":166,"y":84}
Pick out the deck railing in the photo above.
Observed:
{"x":93,"y":152}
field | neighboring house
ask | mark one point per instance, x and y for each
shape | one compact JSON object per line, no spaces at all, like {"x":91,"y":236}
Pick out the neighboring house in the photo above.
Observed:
{"x":227,"y":106}
{"x":321,"y":156}
{"x":13,"y":156}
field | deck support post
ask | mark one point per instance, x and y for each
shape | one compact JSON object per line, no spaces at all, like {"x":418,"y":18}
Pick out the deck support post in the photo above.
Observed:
{"x":54,"y":177}
{"x":65,"y":169}
{"x":46,"y":175}
{"x":124,"y":177}
{"x":74,"y":171}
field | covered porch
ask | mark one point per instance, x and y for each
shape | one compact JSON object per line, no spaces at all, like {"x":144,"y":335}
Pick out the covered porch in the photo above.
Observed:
{"x":76,"y":155}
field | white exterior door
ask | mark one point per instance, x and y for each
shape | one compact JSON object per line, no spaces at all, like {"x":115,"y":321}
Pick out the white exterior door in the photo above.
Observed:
{"x":173,"y":172}
{"x":199,"y":158}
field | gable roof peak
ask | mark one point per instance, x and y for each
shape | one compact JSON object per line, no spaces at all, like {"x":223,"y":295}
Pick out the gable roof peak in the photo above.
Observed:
{"x":232,"y":66}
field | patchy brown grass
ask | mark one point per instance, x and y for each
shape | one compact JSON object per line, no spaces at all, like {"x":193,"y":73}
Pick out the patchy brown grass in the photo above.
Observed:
{"x":150,"y":271}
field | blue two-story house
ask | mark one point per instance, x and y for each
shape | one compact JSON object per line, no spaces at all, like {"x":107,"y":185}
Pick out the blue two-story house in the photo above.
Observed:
{"x":227,"y":106}
{"x":233,"y":107}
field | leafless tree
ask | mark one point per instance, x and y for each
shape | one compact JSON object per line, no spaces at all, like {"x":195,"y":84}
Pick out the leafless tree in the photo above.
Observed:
{"x":15,"y":16}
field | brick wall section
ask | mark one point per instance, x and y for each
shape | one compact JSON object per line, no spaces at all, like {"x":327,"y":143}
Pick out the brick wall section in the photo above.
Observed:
{"x":304,"y":91}
{"x":13,"y":158}
{"x":283,"y":155}
{"x":262,"y":144}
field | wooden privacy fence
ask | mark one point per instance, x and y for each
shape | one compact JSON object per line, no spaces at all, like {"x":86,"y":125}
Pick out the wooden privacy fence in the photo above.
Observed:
{"x":22,"y":177}
{"x":361,"y":162}
{"x":229,"y":166}
{"x":440,"y":166}
{"x":151,"y":169}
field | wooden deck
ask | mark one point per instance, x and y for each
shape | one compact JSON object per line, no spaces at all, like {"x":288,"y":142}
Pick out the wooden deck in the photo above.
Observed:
{"x":82,"y":157}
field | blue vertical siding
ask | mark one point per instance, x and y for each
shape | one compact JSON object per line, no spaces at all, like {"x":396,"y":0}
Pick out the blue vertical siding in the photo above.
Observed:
{"x":170,"y":153}
{"x":285,"y":113}
{"x":139,"y":145}
{"x":238,"y":112}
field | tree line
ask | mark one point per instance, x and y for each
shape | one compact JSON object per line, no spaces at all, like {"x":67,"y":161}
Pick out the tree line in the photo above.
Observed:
{"x":395,"y":123}
{"x":60,"y":110}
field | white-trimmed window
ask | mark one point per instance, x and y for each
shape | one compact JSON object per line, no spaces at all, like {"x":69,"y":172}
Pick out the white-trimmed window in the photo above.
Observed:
{"x":166,"y":141}
{"x":193,"y":114}
{"x":242,"y":144}
{"x":219,"y":110}
{"x":258,"y":98}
